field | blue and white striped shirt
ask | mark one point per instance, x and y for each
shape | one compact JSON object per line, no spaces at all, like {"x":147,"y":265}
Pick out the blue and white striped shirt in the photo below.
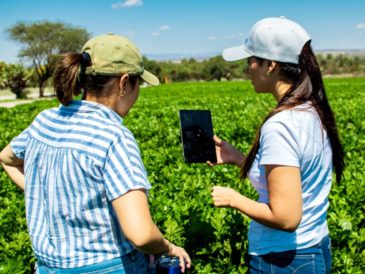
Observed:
{"x":77,"y":159}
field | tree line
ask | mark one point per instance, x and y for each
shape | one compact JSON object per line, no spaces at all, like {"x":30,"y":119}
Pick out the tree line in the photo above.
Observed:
{"x":44,"y":41}
{"x":216,"y":68}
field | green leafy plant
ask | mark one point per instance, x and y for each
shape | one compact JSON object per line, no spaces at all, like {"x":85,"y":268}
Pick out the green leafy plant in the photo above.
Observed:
{"x":180,"y":199}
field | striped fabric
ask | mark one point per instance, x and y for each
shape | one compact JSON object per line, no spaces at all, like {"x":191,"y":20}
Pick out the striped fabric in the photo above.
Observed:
{"x":77,"y":159}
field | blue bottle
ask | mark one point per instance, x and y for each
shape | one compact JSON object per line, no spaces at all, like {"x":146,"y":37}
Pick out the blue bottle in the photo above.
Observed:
{"x":168,"y":265}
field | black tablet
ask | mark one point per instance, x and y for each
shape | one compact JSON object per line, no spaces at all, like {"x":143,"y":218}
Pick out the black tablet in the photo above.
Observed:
{"x":197,"y":136}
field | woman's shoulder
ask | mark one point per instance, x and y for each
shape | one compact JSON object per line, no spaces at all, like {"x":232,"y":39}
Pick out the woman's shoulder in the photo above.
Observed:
{"x":295,"y":120}
{"x":299,"y":113}
{"x":46,"y":114}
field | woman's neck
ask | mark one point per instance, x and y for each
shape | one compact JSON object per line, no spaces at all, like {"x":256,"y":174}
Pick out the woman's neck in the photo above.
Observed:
{"x":101,"y":100}
{"x":280,"y":89}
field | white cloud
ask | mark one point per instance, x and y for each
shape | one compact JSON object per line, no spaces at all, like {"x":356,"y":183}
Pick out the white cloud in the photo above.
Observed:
{"x":161,"y":28}
{"x":117,"y":5}
{"x":165,"y":27}
{"x":212,"y":38}
{"x":127,"y":4}
{"x":360,"y":26}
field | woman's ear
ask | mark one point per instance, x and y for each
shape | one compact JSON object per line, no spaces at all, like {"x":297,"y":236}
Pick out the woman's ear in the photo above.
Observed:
{"x":271,"y":65}
{"x":123,"y":82}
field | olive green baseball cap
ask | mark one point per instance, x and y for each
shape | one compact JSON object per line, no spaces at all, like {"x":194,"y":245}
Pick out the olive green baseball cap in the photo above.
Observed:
{"x":114,"y":55}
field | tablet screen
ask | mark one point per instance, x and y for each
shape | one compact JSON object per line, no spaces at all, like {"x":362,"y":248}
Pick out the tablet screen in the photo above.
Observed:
{"x":197,"y":136}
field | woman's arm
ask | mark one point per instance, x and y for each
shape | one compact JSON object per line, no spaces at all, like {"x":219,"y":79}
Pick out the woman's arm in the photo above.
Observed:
{"x":138,"y":227}
{"x":284,"y":210}
{"x":13,"y":166}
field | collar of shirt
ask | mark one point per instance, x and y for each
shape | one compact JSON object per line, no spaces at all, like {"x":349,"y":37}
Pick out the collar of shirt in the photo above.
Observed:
{"x":88,"y":106}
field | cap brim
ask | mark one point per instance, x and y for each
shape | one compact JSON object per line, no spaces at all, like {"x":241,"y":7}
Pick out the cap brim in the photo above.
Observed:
{"x":236,"y":53}
{"x":150,"y":78}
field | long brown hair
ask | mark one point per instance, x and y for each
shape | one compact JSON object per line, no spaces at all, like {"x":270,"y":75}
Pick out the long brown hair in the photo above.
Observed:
{"x":66,"y":80}
{"x":307,"y":87}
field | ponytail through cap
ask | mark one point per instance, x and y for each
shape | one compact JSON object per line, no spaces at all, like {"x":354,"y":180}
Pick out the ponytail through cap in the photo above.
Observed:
{"x":85,"y":62}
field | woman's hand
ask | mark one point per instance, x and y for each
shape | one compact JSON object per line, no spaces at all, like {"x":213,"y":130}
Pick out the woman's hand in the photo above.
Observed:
{"x":226,"y":153}
{"x":184,"y":258}
{"x":223,"y":196}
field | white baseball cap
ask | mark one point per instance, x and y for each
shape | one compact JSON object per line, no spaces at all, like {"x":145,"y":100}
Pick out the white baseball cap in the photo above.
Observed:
{"x":273,"y":38}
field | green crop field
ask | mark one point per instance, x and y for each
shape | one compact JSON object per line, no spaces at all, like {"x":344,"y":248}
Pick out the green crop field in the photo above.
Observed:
{"x":180,"y":199}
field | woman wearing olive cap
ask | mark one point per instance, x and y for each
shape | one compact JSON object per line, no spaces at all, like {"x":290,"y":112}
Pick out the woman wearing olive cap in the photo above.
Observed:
{"x":291,"y":161}
{"x":80,"y":167}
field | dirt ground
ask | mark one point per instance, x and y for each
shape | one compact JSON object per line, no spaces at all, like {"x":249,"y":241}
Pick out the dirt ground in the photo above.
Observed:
{"x":7,"y":99}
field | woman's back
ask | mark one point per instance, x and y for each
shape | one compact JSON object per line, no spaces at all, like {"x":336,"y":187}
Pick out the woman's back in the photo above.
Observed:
{"x":76,"y":159}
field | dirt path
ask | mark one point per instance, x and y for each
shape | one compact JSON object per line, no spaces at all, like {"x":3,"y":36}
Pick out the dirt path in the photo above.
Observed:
{"x":9,"y":101}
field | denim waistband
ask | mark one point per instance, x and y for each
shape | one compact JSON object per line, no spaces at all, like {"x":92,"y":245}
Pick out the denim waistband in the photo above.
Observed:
{"x":125,"y":260}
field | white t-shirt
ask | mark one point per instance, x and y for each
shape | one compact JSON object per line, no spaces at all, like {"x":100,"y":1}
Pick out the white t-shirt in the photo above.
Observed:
{"x":296,"y":138}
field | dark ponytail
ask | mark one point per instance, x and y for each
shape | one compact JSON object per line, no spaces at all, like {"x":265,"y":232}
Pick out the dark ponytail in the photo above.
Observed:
{"x":307,"y":87}
{"x":321,"y":104}
{"x":68,"y":77}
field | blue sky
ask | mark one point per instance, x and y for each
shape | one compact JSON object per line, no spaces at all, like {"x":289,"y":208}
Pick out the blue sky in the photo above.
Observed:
{"x":188,"y":26}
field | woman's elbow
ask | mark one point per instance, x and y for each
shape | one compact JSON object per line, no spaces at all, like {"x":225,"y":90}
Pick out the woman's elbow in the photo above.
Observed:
{"x":290,"y":227}
{"x":142,"y":237}
{"x":140,"y":242}
{"x":290,"y":224}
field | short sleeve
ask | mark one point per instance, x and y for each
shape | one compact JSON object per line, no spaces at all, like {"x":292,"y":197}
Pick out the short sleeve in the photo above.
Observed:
{"x":19,"y":143}
{"x":124,"y":170}
{"x":278,"y":144}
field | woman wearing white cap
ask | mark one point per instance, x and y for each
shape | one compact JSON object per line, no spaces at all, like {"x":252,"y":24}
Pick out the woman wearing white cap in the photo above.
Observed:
{"x":291,"y":161}
{"x":84,"y":181}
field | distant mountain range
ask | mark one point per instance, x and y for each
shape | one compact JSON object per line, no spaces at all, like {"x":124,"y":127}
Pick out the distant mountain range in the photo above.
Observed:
{"x":176,"y":57}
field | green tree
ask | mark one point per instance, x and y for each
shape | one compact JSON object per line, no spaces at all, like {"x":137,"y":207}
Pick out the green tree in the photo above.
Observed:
{"x":193,"y":67}
{"x":153,"y":67}
{"x":213,"y":69}
{"x":43,"y":41}
{"x":2,"y":75}
{"x":15,"y":77}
